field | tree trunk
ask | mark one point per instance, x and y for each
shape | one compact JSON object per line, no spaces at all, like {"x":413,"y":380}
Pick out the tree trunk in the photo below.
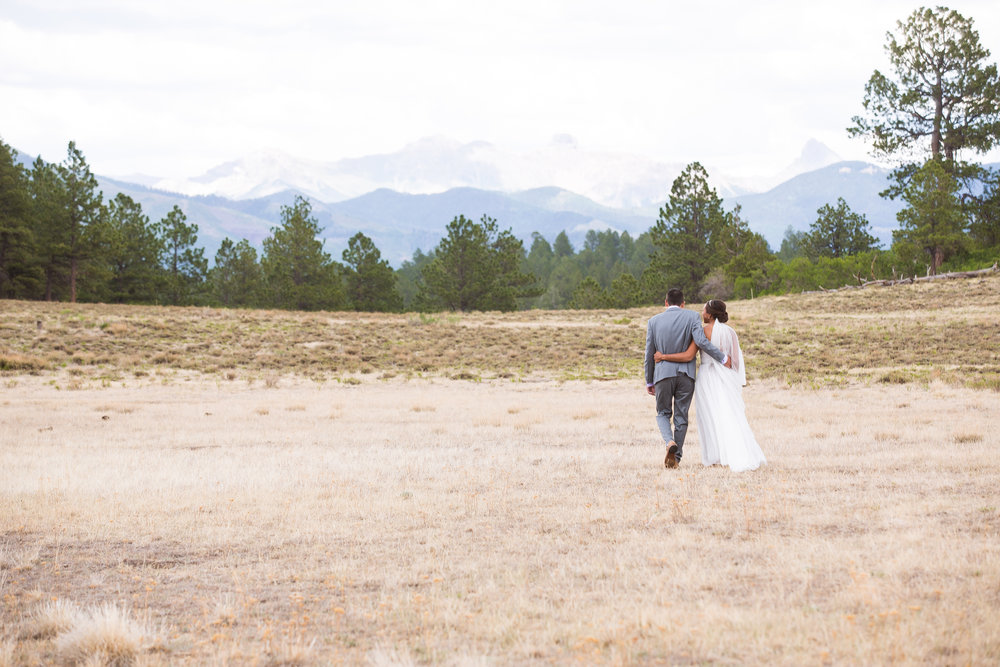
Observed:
{"x":938,"y":94}
{"x":937,"y":259}
{"x":73,"y":265}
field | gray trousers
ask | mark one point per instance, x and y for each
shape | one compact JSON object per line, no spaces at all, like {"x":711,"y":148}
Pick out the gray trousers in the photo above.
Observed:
{"x":673,"y":398}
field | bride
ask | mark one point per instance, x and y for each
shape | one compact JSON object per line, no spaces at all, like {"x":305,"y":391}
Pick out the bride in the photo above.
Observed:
{"x":725,"y":435}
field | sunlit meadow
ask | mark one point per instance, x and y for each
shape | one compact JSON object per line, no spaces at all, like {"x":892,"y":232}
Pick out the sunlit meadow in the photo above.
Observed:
{"x":193,"y":486}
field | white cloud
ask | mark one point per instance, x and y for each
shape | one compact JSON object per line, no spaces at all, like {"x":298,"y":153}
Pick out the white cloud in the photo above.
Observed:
{"x":170,"y":88}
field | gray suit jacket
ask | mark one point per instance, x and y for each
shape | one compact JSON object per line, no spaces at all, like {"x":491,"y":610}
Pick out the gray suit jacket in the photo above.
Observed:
{"x":672,"y":331}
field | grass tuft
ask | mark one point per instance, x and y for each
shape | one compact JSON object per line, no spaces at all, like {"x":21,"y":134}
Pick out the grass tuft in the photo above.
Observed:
{"x":105,"y":635}
{"x":8,"y":648}
{"x":895,"y":377}
{"x":21,"y":362}
{"x":52,"y":618}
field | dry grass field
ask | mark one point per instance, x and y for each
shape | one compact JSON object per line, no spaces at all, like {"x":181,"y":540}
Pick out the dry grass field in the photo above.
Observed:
{"x":193,"y":486}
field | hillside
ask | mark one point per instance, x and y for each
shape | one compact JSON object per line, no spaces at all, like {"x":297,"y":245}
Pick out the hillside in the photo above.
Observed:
{"x":907,"y":333}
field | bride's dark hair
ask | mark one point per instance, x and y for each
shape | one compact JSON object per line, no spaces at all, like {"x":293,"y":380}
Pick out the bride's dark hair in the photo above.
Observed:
{"x":717,"y":309}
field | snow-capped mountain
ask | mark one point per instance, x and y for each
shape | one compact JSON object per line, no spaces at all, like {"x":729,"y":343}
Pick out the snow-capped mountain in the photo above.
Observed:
{"x":815,"y":155}
{"x":258,"y":175}
{"x":408,"y":197}
{"x":437,"y":164}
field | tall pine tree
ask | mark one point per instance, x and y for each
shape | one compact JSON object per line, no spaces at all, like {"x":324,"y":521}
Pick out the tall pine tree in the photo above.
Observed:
{"x":18,"y":274}
{"x":686,"y":235}
{"x":298,"y":274}
{"x":131,"y":253}
{"x":941,"y":98}
{"x":184,"y":265}
{"x":80,"y":235}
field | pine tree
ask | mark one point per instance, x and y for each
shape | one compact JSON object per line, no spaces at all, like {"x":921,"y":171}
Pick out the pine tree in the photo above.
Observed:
{"x":942,"y":97}
{"x":625,"y":292}
{"x":408,"y":277}
{"x":19,"y":274}
{"x":476,"y":267}
{"x":298,"y":274}
{"x":588,"y":295}
{"x":131,"y":253}
{"x":838,"y":232}
{"x":184,"y":264}
{"x":686,"y":234}
{"x":540,"y":257}
{"x":236,"y":280}
{"x":563,"y":280}
{"x":985,"y":228}
{"x":371,"y":283}
{"x":83,"y":205}
{"x":562,"y":247}
{"x":67,"y":217}
{"x":933,"y":220}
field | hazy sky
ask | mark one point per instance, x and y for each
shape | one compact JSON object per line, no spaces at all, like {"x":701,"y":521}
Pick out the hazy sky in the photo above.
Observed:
{"x":173,"y":88}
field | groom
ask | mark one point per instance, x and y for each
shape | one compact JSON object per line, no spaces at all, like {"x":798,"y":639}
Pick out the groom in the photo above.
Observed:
{"x":672,"y":383}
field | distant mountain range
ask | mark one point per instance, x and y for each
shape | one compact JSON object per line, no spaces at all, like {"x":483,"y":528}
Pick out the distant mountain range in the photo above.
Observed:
{"x":795,"y":202}
{"x":436,"y":164}
{"x":404,"y":200}
{"x":398,"y":223}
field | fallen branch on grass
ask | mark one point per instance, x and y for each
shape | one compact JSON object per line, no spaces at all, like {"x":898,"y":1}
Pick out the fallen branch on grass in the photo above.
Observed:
{"x":913,"y":279}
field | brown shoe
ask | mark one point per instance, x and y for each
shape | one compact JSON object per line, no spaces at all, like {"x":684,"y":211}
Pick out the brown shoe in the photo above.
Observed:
{"x":671,"y":460}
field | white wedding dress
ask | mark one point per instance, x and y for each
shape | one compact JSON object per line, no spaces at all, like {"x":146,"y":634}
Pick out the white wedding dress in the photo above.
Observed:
{"x":725,"y":435}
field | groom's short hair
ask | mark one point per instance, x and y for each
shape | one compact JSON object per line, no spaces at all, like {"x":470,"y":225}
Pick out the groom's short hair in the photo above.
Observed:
{"x":675,"y":296}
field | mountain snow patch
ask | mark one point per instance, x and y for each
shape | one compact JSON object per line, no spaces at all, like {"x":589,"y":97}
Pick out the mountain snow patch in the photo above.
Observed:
{"x":595,"y":225}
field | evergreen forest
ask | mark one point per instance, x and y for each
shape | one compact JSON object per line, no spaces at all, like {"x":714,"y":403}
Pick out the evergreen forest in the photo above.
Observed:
{"x":931,"y":114}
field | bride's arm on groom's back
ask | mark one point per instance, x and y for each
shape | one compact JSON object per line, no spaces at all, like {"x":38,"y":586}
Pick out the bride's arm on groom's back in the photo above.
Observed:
{"x":679,"y":357}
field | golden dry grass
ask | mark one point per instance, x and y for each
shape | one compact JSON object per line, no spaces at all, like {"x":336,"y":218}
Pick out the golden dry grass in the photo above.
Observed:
{"x":188,"y":486}
{"x":909,"y":333}
{"x":455,"y":522}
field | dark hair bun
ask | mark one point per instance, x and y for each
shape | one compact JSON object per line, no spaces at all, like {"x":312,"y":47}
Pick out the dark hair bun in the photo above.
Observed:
{"x":717,"y":309}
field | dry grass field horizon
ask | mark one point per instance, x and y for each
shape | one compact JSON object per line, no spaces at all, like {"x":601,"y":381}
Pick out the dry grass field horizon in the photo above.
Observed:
{"x":192,"y":486}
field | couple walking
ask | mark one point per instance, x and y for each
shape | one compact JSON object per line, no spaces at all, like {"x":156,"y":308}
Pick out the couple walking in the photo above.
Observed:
{"x":672,"y":338}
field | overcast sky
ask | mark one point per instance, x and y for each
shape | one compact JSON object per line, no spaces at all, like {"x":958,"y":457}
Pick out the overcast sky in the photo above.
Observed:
{"x":174,"y":88}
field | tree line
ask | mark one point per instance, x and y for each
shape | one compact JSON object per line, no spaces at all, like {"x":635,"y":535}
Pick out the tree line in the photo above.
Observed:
{"x":59,"y":239}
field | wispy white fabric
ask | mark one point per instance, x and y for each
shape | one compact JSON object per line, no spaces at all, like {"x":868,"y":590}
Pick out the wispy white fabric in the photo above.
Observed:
{"x":723,"y":429}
